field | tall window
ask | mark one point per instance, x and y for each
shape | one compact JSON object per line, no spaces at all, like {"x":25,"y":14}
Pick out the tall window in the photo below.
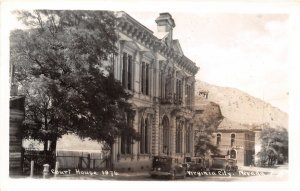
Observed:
{"x":145,"y":79}
{"x":232,"y":140}
{"x":162,"y":85}
{"x":124,"y":70}
{"x":168,"y":84}
{"x":188,"y":134}
{"x":126,"y":141}
{"x":233,"y":154}
{"x":127,"y":71}
{"x":129,"y":77}
{"x":126,"y":144}
{"x":166,"y":134}
{"x":144,"y":133}
{"x":188,"y":96}
{"x":218,"y":138}
{"x":178,"y":91}
{"x":179,"y":126}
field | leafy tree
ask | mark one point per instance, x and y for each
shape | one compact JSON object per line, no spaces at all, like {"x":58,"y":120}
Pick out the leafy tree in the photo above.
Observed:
{"x":206,"y":122}
{"x":41,"y":120}
{"x":62,"y":63}
{"x":274,"y":145}
{"x":204,"y":145}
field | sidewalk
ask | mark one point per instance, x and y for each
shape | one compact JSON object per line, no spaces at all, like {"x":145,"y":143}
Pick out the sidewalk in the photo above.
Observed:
{"x":274,"y":169}
{"x":118,"y":176}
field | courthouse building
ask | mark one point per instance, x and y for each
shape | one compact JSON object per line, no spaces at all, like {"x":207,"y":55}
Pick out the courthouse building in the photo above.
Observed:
{"x":152,"y":67}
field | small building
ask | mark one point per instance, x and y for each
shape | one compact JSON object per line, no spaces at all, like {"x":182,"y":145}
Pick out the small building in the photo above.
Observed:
{"x":235,"y":141}
{"x":16,"y":118}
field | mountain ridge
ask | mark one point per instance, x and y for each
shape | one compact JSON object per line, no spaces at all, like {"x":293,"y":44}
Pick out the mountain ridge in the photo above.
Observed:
{"x":240,"y":106}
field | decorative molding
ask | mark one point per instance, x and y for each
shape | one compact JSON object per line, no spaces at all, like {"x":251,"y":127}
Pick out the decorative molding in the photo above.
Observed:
{"x":132,"y":28}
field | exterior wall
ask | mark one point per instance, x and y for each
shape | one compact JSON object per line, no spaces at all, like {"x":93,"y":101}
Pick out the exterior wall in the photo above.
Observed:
{"x":15,"y":141}
{"x":250,"y":142}
{"x":168,"y":78}
{"x":243,"y":145}
{"x":257,"y":145}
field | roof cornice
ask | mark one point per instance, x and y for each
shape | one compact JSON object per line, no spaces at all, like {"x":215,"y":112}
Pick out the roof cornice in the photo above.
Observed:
{"x":135,"y":30}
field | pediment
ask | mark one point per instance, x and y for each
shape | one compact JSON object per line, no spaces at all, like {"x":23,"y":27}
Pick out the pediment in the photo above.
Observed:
{"x":177,"y":47}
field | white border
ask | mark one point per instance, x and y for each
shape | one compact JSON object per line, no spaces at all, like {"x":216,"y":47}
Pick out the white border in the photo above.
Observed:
{"x":290,"y":7}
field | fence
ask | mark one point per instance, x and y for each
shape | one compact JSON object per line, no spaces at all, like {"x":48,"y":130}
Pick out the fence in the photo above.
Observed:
{"x":66,"y":159}
{"x":82,"y":160}
{"x":40,"y":158}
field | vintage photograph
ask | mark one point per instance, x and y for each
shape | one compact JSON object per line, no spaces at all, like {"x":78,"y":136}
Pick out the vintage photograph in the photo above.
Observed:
{"x":148,"y":95}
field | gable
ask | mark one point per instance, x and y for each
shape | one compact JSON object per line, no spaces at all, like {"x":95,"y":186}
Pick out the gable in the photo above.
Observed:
{"x":177,"y":47}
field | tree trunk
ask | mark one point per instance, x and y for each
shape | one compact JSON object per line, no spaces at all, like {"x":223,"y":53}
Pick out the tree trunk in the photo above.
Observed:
{"x":51,"y":156}
{"x":112,"y":165}
{"x":45,"y":145}
{"x":53,"y":145}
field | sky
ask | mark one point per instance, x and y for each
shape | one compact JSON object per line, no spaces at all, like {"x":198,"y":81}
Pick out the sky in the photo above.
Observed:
{"x":244,"y":51}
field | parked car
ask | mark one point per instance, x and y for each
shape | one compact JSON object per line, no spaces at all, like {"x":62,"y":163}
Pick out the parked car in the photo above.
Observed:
{"x":165,"y":166}
{"x":231,"y":165}
{"x":186,"y":166}
{"x":218,"y":164}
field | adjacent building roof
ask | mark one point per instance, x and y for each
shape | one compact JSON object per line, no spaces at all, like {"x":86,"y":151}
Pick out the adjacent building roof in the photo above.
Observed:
{"x":229,"y":125}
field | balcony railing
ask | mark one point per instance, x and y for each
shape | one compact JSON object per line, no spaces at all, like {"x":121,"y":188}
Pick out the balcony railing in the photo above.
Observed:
{"x":171,"y":99}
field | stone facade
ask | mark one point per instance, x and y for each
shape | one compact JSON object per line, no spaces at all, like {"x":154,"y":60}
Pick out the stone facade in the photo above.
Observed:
{"x":236,"y":141}
{"x":153,"y":68}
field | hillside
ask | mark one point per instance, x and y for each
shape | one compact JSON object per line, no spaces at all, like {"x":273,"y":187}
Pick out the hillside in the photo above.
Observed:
{"x":241,"y":107}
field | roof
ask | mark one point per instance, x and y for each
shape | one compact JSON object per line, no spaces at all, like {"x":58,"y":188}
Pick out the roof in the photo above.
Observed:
{"x":161,"y":35}
{"x":228,"y":124}
{"x":177,"y":47}
{"x":130,"y":27}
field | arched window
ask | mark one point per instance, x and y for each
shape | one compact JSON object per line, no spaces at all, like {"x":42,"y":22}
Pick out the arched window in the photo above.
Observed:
{"x":165,"y":124}
{"x":179,"y":126}
{"x":146,"y":135}
{"x":188,"y":134}
{"x":232,"y":140}
{"x":126,"y":141}
{"x":142,"y":136}
{"x":218,"y":138}
{"x":233,"y":154}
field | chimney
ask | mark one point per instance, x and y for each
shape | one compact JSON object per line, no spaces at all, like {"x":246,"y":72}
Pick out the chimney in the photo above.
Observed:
{"x":165,"y":22}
